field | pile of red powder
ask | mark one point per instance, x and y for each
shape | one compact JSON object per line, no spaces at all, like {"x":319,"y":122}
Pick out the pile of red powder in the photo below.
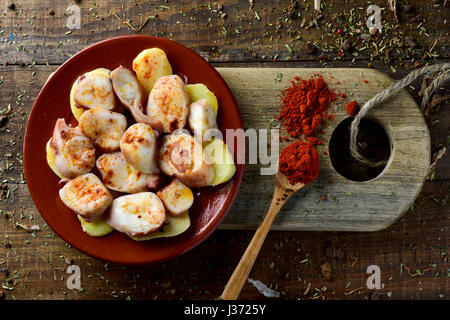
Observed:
{"x":304,"y":106}
{"x":351,"y":107}
{"x":299,"y":162}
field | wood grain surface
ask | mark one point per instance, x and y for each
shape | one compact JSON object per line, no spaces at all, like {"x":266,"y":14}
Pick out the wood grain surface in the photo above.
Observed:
{"x":241,"y":36}
{"x":412,"y":253}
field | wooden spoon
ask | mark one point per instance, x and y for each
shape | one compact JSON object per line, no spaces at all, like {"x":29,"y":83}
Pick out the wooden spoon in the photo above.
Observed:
{"x":283,"y":191}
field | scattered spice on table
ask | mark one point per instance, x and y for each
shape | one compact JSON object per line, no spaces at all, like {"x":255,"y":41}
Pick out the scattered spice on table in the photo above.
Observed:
{"x":299,"y":162}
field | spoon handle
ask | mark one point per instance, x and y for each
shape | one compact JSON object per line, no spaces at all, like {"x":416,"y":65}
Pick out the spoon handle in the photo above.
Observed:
{"x":240,"y":274}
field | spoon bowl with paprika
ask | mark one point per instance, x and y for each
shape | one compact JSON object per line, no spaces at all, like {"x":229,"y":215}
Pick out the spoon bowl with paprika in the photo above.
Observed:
{"x":298,"y":166}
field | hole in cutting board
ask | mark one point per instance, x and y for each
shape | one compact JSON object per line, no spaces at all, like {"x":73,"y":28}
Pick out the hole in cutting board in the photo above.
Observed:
{"x":373,"y":141}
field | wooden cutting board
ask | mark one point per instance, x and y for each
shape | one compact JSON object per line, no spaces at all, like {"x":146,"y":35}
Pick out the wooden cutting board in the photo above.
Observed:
{"x":351,"y":206}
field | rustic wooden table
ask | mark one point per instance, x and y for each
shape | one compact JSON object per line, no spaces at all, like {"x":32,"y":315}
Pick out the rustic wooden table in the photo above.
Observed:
{"x":412,"y":254}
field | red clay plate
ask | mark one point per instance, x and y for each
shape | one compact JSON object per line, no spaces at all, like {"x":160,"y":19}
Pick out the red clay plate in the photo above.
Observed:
{"x":210,"y":207}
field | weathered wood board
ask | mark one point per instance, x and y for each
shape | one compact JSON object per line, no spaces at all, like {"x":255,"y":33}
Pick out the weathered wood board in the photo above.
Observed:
{"x":351,"y":206}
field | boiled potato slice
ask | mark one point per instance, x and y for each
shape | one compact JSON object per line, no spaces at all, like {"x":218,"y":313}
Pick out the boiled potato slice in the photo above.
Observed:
{"x":77,"y":112}
{"x":51,"y":160}
{"x":96,"y":228}
{"x":176,"y":197}
{"x":223,"y":163}
{"x":176,"y":225}
{"x":199,"y":91}
{"x":150,"y":65}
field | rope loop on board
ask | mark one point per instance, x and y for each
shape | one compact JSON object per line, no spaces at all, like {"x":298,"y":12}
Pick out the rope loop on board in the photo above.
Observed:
{"x":442,"y":75}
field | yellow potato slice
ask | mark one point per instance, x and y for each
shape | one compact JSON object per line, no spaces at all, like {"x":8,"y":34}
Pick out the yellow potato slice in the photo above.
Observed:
{"x":51,"y":160}
{"x":223,"y":163}
{"x":199,"y":91}
{"x":150,"y":65}
{"x":95,"y":228}
{"x":176,"y":225}
{"x":77,"y":112}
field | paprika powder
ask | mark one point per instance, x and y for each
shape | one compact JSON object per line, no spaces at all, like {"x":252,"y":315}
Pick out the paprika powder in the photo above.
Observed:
{"x":299,"y":162}
{"x":351,"y":107}
{"x":304,"y":106}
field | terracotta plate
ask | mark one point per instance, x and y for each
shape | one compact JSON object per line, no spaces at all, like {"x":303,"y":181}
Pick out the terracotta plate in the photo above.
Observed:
{"x":210,"y":207}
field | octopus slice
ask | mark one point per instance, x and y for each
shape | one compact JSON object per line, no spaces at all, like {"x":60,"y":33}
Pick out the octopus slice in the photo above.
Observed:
{"x":74,"y":152}
{"x":168,"y":102}
{"x":132,"y":96}
{"x":137,"y":214}
{"x":86,"y":196}
{"x":201,"y":118}
{"x":182,"y":155}
{"x":117,"y":174}
{"x":104,"y":128}
{"x":94,"y":91}
{"x":177,"y":197}
{"x":139,"y":147}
